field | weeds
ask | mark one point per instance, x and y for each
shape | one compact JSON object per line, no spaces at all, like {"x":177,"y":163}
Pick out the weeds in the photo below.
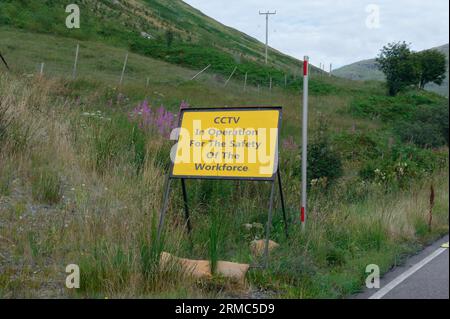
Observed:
{"x":46,"y":185}
{"x":214,"y":242}
{"x":110,"y":171}
{"x":6,"y":177}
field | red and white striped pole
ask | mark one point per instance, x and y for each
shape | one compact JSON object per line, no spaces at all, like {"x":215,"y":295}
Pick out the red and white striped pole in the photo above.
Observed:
{"x":304,"y":141}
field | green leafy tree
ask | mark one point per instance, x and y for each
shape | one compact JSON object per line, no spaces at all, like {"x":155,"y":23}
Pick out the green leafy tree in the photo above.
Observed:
{"x":433,"y":66}
{"x":400,"y":66}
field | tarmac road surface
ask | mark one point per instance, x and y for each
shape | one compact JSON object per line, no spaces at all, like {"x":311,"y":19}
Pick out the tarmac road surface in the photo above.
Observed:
{"x":424,"y":276}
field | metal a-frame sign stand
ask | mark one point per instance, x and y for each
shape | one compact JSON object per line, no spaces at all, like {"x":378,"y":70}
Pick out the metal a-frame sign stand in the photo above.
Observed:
{"x":275,"y":178}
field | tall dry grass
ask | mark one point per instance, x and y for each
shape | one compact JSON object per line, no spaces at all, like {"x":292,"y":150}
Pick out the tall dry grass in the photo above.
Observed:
{"x":104,"y":216}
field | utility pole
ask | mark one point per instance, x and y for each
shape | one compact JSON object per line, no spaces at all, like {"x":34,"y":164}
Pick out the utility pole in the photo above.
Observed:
{"x":267,"y":28}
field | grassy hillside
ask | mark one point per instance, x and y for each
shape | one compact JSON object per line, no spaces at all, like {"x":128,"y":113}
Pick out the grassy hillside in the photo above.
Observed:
{"x":81,"y":178}
{"x":197,"y":39}
{"x":368,"y":70}
{"x":365,"y":70}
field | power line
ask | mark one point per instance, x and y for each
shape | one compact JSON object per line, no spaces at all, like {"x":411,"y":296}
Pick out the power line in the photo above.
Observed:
{"x":267,"y":28}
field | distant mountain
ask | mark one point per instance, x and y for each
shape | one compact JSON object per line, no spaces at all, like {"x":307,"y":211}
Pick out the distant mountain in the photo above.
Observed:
{"x":368,"y":70}
{"x":363,"y":71}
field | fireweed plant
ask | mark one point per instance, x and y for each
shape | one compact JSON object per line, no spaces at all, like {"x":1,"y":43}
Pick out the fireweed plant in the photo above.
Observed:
{"x":158,"y":120}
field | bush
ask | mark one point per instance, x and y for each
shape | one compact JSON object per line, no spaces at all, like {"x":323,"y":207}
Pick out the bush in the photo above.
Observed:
{"x":417,"y":117}
{"x":400,"y":165}
{"x":427,"y":128}
{"x":356,"y":146}
{"x":323,"y":162}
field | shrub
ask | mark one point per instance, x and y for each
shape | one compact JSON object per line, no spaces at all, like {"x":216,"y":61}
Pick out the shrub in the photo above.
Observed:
{"x":356,"y":146}
{"x":421,"y":134}
{"x":323,"y":162}
{"x":420,"y":118}
{"x":400,"y":165}
{"x":428,"y":126}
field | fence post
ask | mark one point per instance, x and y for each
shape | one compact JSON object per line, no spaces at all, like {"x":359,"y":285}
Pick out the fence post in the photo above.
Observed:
{"x":74,"y":74}
{"x":270,"y":85}
{"x":245,"y":81}
{"x":147,"y":83}
{"x":123,"y":69}
{"x":231,"y":75}
{"x":42,"y":68}
{"x":200,"y":72}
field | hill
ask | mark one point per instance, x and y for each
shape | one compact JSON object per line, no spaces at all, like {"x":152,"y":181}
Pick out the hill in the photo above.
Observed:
{"x":368,"y":70}
{"x":171,"y":31}
{"x":365,"y":70}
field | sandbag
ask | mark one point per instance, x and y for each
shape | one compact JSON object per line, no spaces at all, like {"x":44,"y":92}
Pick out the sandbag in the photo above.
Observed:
{"x":196,"y":268}
{"x":233,"y":271}
{"x":258,"y":246}
{"x":201,"y":269}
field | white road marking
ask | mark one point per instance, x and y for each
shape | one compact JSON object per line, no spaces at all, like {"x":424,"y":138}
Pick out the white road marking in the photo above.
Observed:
{"x":394,"y":283}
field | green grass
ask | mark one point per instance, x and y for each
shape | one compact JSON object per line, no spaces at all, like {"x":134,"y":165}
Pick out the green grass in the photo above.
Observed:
{"x":198,"y":39}
{"x":46,"y":185}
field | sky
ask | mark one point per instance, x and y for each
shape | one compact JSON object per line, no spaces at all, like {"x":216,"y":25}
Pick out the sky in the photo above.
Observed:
{"x":339,"y":32}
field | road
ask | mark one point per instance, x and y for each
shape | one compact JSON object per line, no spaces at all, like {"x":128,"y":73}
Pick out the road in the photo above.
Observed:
{"x":424,"y":276}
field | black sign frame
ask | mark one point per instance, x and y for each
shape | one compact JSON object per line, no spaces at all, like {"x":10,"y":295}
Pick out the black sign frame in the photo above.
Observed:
{"x":275,"y":177}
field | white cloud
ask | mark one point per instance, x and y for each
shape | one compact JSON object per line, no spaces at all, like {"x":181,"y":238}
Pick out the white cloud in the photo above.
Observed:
{"x":334,"y":31}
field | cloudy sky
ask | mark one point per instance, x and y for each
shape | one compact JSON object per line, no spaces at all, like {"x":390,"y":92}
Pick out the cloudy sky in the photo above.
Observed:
{"x":335,"y":31}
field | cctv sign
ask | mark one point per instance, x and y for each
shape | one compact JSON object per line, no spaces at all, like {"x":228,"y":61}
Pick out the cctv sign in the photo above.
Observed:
{"x":227,"y":143}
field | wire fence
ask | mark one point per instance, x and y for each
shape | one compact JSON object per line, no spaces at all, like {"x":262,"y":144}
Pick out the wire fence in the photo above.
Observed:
{"x":119,"y":67}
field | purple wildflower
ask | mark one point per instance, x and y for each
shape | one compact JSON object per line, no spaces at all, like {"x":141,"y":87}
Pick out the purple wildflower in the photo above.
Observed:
{"x":184,"y":105}
{"x":159,"y":120}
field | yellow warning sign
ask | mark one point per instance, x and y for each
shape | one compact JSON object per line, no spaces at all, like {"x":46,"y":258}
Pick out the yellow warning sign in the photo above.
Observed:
{"x":227,"y":143}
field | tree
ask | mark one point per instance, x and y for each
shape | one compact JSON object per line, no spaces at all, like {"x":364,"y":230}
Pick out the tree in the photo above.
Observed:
{"x":433,"y":67}
{"x":400,"y":66}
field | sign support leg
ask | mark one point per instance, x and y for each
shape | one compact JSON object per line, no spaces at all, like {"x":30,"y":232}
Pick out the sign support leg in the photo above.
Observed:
{"x":186,"y":207}
{"x":282,"y":204}
{"x":268,"y":227}
{"x":164,"y":207}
